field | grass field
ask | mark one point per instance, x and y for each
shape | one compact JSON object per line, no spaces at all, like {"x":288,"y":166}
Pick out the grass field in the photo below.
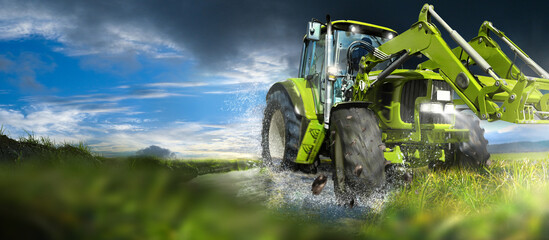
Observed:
{"x":507,"y":200}
{"x":149,"y":198}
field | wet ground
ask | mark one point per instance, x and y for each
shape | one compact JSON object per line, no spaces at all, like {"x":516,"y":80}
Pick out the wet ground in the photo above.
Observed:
{"x":289,"y":192}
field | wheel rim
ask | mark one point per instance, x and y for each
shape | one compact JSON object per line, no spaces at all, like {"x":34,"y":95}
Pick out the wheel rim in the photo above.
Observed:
{"x":338,"y":160}
{"x":277,"y":136}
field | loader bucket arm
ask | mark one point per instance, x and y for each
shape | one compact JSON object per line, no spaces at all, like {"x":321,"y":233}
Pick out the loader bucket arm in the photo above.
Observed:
{"x":484,"y":34}
{"x":479,"y":93}
{"x":500,"y":62}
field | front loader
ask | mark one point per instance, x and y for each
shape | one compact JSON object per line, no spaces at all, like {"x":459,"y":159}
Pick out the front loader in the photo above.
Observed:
{"x":354,"y":102}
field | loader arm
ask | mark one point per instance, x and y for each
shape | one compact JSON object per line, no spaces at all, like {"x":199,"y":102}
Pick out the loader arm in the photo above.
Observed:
{"x":487,"y":47}
{"x":520,"y":99}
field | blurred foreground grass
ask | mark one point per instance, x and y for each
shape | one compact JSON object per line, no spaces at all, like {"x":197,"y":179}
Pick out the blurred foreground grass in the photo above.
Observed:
{"x":49,"y":192}
{"x":507,"y":200}
{"x":124,"y":203}
{"x":71,"y":194}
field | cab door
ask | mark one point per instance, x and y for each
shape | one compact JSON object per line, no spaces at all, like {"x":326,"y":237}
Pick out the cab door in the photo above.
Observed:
{"x":312,"y":70}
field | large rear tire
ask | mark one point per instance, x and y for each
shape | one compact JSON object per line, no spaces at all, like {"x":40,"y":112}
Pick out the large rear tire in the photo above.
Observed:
{"x":474,"y":153}
{"x":280,"y":134}
{"x":355,"y":140}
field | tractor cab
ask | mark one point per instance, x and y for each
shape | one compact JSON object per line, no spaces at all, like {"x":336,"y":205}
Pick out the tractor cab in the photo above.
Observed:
{"x":351,"y":41}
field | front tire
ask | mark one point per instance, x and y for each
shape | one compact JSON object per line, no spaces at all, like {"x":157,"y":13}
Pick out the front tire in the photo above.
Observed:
{"x":356,"y":138}
{"x":280,"y":134}
{"x":474,"y":153}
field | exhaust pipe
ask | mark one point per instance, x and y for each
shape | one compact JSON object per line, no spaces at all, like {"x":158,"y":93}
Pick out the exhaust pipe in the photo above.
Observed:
{"x":328,"y":64}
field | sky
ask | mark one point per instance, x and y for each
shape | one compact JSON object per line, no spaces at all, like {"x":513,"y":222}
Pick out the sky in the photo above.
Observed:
{"x":191,"y":76}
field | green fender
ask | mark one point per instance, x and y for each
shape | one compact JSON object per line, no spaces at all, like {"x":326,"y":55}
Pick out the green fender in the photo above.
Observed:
{"x":300,"y":93}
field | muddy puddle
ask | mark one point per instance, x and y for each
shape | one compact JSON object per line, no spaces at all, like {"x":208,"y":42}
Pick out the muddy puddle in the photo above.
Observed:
{"x":288,"y":192}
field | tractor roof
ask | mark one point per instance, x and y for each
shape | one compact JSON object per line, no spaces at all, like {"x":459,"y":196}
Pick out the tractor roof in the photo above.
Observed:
{"x":345,"y":24}
{"x":361,"y":27}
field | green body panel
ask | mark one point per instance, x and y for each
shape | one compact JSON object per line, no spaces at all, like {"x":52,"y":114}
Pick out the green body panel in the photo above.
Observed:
{"x":305,"y":91}
{"x":394,"y":155}
{"x":397,"y":132}
{"x":301,"y":94}
{"x":311,"y":143}
{"x":398,"y":79}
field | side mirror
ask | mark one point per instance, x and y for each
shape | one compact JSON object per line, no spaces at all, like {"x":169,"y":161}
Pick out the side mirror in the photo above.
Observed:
{"x":313,"y":31}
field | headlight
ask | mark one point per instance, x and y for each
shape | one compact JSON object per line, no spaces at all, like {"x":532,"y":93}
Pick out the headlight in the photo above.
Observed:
{"x":431,"y":107}
{"x":332,"y":73}
{"x":443,"y":95}
{"x":436,"y":107}
{"x":332,"y":70}
{"x":353,"y":29}
{"x":449,"y":108}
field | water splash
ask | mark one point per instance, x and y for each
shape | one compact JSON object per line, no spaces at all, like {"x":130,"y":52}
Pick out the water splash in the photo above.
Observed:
{"x":247,"y":105}
{"x":289,"y":193}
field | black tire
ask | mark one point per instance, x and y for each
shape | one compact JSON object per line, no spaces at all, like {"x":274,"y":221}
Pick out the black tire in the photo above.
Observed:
{"x":474,"y":153}
{"x":355,"y":140}
{"x":280,"y":134}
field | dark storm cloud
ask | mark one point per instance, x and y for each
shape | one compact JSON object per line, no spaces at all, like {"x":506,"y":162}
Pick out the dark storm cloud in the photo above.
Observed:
{"x":217,"y":33}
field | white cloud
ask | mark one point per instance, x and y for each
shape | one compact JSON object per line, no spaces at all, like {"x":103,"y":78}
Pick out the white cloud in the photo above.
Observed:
{"x":238,"y":139}
{"x":177,"y":84}
{"x":229,"y":92}
{"x":90,"y":101}
{"x":18,"y":22}
{"x":507,"y":129}
{"x":122,"y":127}
{"x":191,"y":139}
{"x":261,"y":66}
{"x":508,"y":132}
{"x":23,"y":27}
{"x":43,"y":120}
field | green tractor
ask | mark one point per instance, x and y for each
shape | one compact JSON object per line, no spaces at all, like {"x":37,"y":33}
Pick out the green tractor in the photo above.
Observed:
{"x":352,"y":100}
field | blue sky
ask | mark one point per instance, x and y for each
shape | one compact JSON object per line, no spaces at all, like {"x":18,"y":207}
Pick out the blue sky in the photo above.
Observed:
{"x":122,"y":108}
{"x":187,"y":76}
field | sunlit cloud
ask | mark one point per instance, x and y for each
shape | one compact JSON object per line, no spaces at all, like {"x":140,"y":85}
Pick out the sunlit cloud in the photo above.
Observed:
{"x":177,"y":84}
{"x":102,"y":97}
{"x":122,"y":127}
{"x":43,"y":120}
{"x":508,"y":129}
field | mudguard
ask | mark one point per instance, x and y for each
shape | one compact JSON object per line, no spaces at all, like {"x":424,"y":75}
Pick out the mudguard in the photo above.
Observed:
{"x":300,"y":93}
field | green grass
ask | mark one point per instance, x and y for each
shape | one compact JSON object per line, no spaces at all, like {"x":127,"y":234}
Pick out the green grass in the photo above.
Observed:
{"x":521,"y":156}
{"x":81,"y":196}
{"x":130,"y":198}
{"x":507,"y":200}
